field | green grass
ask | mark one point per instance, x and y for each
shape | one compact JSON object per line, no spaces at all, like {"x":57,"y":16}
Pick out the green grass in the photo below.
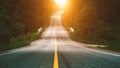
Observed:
{"x":20,"y":41}
{"x":114,"y":46}
{"x":83,"y":40}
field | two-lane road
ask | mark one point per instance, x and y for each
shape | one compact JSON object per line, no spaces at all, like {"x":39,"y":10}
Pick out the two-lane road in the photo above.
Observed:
{"x":56,"y":50}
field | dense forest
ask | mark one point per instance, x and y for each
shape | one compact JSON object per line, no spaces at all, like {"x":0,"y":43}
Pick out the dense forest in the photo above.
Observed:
{"x":94,"y":21}
{"x":23,"y":16}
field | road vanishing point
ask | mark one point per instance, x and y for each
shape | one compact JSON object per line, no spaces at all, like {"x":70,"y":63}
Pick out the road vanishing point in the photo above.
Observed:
{"x":56,"y":50}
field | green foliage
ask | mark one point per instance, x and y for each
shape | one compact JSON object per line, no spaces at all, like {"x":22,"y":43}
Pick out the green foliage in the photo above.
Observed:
{"x":20,"y":18}
{"x":24,"y":37}
{"x":17,"y":28}
{"x":95,"y":21}
{"x":5,"y":36}
{"x":25,"y":15}
{"x":20,"y":41}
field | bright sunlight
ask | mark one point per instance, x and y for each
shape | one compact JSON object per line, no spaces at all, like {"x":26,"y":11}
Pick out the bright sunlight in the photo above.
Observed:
{"x":61,"y":3}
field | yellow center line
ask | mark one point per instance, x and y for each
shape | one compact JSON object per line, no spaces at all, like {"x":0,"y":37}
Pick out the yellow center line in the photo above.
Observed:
{"x":56,"y":64}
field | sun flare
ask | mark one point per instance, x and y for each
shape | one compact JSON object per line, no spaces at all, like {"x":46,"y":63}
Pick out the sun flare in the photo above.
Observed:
{"x":61,"y":3}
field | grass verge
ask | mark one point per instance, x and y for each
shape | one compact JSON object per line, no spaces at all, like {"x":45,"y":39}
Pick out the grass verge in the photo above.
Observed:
{"x":114,"y":46}
{"x":20,"y":41}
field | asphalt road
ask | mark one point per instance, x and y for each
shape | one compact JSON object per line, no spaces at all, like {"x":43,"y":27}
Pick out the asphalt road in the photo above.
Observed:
{"x":57,"y":50}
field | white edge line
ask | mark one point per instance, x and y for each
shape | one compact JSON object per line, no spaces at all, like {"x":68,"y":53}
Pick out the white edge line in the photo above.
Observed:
{"x":96,"y":50}
{"x":76,"y":43}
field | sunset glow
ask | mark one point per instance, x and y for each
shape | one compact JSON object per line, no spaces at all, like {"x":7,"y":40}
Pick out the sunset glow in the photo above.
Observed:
{"x":61,"y":3}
